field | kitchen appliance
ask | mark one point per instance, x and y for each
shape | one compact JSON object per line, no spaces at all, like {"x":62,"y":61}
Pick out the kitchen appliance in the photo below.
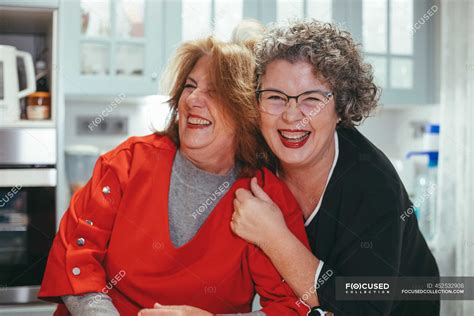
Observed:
{"x":27,"y":210}
{"x":80,"y":162}
{"x":17,"y":80}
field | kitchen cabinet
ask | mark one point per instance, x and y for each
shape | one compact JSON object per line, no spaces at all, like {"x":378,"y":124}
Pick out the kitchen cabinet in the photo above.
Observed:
{"x":401,"y":50}
{"x":261,"y":10}
{"x":112,"y":47}
{"x":35,"y":31}
{"x":31,"y":3}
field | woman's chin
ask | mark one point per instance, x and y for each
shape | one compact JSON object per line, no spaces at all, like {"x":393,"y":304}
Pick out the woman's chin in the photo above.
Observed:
{"x":195,"y":141}
{"x":195,"y":137}
{"x":292,"y":156}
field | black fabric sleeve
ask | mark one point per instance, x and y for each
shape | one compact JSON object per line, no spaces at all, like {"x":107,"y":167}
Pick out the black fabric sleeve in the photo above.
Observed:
{"x":369,"y":241}
{"x":367,"y":254}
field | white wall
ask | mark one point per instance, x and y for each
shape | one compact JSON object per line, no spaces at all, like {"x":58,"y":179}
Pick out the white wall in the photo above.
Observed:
{"x":390,"y":128}
{"x":141,"y":112}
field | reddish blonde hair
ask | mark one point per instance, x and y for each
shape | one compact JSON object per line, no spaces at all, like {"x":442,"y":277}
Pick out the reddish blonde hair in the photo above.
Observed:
{"x":231,"y":75}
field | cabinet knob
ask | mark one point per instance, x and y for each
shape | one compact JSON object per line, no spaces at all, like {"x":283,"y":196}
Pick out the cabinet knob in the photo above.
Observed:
{"x":154,"y":76}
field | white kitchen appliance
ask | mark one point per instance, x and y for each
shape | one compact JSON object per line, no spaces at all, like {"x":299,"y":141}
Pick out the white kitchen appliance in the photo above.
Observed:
{"x":16,"y":70}
{"x":28,"y":182}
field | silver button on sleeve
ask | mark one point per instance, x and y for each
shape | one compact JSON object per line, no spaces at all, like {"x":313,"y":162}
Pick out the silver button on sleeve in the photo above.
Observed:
{"x":76,"y":271}
{"x":80,"y":241}
{"x":106,"y":190}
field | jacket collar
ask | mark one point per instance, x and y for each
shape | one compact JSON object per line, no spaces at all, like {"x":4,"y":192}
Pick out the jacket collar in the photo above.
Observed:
{"x":348,"y":154}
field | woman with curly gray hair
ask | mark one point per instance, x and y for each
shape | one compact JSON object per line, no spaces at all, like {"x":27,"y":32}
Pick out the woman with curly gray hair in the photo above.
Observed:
{"x":313,"y":88}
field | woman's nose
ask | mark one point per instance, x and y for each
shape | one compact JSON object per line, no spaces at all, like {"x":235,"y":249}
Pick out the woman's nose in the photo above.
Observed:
{"x":292,"y":113}
{"x":196,"y":99}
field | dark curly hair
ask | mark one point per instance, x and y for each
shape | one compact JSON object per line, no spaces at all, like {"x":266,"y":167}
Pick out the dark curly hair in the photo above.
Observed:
{"x":334,"y":55}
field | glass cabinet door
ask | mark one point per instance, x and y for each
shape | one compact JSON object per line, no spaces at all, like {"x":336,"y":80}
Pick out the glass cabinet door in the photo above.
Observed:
{"x":112,"y":46}
{"x":95,"y":18}
{"x":129,"y":17}
{"x":95,"y":58}
{"x":129,"y":50}
{"x":112,"y":37}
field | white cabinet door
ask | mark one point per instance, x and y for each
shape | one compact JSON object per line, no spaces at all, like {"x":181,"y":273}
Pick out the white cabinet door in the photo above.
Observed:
{"x":111,"y":47}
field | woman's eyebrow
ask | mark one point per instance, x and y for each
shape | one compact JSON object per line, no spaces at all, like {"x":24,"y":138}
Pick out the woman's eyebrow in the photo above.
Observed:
{"x":312,"y":90}
{"x":191,"y":78}
{"x":273,"y":89}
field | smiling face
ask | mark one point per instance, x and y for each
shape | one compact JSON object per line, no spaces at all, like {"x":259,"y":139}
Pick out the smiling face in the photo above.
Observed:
{"x":204,"y":130}
{"x":296,"y":138}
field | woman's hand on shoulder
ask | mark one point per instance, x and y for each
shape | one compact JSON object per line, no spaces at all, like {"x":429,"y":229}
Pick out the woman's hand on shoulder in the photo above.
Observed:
{"x":173,"y":310}
{"x":256,"y":218}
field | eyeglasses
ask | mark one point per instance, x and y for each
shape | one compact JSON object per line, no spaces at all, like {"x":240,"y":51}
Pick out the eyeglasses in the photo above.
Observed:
{"x":276,"y":102}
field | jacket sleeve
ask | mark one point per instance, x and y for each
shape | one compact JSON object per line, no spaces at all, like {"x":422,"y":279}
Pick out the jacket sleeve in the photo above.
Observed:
{"x":369,"y":243}
{"x":276,"y":296}
{"x":75,"y":260}
{"x":90,"y":304}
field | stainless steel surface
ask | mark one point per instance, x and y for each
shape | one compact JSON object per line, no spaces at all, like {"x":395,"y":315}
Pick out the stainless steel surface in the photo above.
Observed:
{"x":19,"y":294}
{"x":28,"y":146}
{"x":32,"y":309}
{"x":28,"y":177}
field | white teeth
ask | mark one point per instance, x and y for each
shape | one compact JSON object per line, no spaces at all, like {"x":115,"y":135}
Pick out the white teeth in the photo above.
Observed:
{"x":198,"y":121}
{"x":294,"y":135}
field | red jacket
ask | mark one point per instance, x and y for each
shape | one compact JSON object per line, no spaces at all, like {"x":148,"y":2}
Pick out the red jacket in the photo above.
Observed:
{"x":114,"y":238}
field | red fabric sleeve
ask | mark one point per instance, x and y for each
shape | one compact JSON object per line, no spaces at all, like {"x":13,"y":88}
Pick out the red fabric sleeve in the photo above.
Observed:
{"x":74,"y":264}
{"x":276,"y":296}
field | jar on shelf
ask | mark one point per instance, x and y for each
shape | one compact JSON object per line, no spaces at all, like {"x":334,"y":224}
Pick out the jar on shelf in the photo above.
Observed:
{"x":38,"y":106}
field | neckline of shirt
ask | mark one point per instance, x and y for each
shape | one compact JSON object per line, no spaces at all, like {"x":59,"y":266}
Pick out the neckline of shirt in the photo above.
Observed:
{"x":336,"y":156}
{"x":190,"y":174}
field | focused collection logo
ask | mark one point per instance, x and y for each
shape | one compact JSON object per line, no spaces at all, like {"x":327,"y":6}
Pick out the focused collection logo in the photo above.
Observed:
{"x":367,"y":288}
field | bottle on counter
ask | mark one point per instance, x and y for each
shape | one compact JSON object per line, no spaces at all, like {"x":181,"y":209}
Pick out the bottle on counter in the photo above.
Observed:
{"x":426,"y":182}
{"x":425,"y":193}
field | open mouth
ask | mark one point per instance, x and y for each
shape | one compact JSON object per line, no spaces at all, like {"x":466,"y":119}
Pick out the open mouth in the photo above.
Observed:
{"x":195,"y":121}
{"x":293,"y":138}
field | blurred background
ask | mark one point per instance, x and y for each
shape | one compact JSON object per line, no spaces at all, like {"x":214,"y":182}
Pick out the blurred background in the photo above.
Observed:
{"x":78,"y":77}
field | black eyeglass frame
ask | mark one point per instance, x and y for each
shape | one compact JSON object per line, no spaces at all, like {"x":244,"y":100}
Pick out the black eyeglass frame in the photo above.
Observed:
{"x":326,"y":94}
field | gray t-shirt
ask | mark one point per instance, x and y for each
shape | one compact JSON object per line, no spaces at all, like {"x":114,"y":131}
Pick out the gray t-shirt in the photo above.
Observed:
{"x":193,"y":195}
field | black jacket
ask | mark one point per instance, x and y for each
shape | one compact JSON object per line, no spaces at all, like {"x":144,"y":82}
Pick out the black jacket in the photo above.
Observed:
{"x":359,"y":231}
